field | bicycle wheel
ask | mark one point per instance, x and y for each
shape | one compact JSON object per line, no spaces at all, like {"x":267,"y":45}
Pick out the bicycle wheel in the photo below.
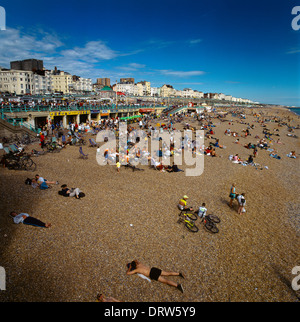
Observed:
{"x":29,"y":165}
{"x":191,"y":216}
{"x":214,"y":218}
{"x":191,"y":227}
{"x":211,"y":227}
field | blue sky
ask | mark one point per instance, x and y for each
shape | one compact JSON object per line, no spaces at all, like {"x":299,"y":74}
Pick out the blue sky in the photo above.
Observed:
{"x":246,"y":48}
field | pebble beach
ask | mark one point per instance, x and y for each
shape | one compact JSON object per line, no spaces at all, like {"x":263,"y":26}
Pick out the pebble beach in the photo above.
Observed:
{"x":133,"y":215}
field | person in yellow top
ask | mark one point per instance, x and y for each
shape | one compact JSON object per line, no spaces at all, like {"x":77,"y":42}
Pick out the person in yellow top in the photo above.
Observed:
{"x":183,"y":202}
{"x":118,"y":166}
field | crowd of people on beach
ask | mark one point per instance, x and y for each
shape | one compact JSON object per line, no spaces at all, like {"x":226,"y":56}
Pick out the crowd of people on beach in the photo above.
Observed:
{"x":135,"y":151}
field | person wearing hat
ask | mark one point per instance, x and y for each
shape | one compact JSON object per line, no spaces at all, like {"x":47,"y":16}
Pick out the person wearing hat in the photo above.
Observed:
{"x":183,"y":202}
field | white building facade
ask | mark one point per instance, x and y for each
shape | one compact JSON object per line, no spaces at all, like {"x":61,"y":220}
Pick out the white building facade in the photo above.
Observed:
{"x":16,"y":82}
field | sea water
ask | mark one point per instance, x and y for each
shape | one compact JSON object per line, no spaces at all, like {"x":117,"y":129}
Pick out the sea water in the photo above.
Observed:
{"x":295,"y":110}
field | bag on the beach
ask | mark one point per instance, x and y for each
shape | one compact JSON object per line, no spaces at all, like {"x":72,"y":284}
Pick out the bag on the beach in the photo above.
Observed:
{"x":28,"y":181}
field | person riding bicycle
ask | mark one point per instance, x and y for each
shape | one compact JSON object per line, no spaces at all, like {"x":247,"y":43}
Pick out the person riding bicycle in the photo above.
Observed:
{"x":202,"y":211}
{"x":183,"y":202}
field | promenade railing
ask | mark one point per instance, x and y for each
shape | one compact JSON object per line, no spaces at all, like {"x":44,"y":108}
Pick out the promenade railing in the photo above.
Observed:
{"x":77,"y":107}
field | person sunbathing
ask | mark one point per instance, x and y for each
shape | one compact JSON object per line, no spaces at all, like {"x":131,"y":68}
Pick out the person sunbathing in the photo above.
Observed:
{"x":103,"y":298}
{"x":217,"y":144}
{"x":67,"y":192}
{"x":292,"y":154}
{"x":28,"y":220}
{"x":40,"y":180}
{"x":213,"y":153}
{"x":208,"y":150}
{"x":173,"y":168}
{"x":154,"y":273}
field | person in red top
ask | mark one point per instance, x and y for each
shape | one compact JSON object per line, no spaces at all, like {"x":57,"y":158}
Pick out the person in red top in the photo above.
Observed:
{"x":42,"y":138}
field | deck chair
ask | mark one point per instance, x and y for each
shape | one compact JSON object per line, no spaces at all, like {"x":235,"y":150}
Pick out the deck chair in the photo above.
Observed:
{"x":13,"y":148}
{"x":82,"y":155}
{"x":18,"y":147}
{"x":6,"y":150}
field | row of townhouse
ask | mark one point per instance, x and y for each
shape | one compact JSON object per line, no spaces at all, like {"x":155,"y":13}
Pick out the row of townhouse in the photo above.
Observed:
{"x":144,"y":89}
{"x":37,"y":83}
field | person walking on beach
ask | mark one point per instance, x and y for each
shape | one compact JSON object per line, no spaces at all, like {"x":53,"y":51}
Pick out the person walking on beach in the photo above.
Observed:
{"x":232,"y":195}
{"x":156,"y":274}
{"x":242,"y":202}
{"x":118,"y":166}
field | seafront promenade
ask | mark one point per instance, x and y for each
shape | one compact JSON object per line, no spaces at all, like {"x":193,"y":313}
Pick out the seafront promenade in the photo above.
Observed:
{"x":34,"y":116}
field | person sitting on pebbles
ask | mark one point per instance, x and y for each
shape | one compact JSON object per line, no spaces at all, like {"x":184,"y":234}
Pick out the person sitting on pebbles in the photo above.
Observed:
{"x":183,"y":202}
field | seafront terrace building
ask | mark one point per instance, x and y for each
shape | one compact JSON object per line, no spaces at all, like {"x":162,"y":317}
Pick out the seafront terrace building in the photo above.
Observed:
{"x":42,"y":83}
{"x":62,"y":82}
{"x":80,"y":85}
{"x":16,"y":81}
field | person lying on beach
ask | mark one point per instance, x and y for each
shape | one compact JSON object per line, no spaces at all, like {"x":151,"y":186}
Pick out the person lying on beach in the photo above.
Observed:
{"x":156,"y":274}
{"x":34,"y":183}
{"x":28,"y":220}
{"x":102,"y":298}
{"x":174,"y":168}
{"x":217,"y":144}
{"x":73,"y":192}
{"x":40,"y":180}
{"x":249,"y":146}
{"x":292,"y":155}
{"x":213,"y":153}
{"x":274,"y":155}
{"x":208,"y":150}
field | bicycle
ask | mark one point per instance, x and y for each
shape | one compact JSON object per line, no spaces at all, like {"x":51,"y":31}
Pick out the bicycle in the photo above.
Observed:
{"x":52,"y":147}
{"x":27,"y":163}
{"x":188,"y":222}
{"x":210,"y":222}
{"x":191,"y":216}
{"x":20,"y":162}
